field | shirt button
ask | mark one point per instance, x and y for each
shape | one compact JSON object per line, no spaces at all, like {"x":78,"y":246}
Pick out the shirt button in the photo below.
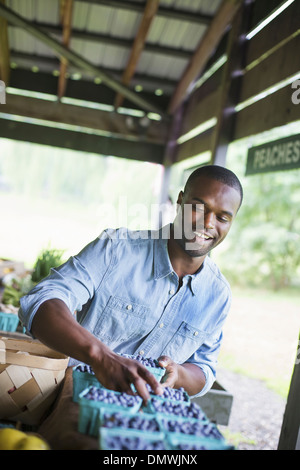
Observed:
{"x":195,"y":333}
{"x":141,"y":352}
{"x":171,"y":291}
{"x":161,"y":325}
{"x":129,"y":307}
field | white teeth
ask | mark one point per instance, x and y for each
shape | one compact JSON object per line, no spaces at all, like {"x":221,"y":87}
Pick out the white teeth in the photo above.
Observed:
{"x":202,"y":235}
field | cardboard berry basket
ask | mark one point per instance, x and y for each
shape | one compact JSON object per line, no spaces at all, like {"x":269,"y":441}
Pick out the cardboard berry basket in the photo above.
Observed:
{"x":30,"y":375}
{"x":82,"y":380}
{"x":89,"y":409}
{"x":186,"y":442}
{"x":130,"y":439}
{"x":8,"y":321}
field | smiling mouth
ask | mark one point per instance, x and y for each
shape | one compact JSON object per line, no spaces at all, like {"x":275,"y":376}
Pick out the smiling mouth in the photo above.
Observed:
{"x":203,"y":236}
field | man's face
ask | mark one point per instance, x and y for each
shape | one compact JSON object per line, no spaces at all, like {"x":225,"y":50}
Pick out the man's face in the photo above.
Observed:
{"x":205,"y":215}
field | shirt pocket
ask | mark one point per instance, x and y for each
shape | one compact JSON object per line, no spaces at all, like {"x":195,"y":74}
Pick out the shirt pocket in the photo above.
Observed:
{"x":186,"y":340}
{"x":122,"y":320}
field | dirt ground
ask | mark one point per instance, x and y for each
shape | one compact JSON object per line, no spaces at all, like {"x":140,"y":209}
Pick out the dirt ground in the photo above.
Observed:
{"x":256,"y":364}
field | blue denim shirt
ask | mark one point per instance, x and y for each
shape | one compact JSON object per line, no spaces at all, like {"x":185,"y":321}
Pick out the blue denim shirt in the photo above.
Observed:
{"x":126,"y":293}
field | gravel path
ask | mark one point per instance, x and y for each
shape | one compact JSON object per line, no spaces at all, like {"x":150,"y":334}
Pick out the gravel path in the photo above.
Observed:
{"x":256,"y":414}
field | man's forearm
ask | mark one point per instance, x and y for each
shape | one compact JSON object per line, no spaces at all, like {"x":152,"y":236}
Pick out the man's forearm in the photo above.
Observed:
{"x":191,"y":377}
{"x":55,"y":326}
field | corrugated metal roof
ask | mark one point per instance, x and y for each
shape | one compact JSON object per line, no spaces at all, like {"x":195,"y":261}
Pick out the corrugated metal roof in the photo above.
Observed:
{"x":96,"y":24}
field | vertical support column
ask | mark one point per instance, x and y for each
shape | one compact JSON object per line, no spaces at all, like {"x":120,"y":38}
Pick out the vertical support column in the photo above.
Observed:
{"x":170,"y":159}
{"x":290,"y":431}
{"x":4,"y":50}
{"x":231,"y":84}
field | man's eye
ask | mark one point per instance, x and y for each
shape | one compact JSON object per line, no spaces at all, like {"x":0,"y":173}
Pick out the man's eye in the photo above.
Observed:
{"x":223,"y":219}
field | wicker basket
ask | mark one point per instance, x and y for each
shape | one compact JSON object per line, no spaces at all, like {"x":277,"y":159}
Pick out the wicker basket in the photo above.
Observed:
{"x":30,"y":374}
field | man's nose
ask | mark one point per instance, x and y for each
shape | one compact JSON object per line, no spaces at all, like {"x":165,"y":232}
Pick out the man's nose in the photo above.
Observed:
{"x":209,"y":220}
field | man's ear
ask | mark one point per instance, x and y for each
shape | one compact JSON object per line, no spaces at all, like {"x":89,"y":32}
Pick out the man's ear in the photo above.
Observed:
{"x":179,"y":201}
{"x":180,"y":197}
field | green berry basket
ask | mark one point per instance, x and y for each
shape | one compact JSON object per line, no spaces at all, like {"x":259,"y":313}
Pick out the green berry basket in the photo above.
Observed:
{"x":89,"y":410}
{"x":168,"y":408}
{"x":8,"y":321}
{"x":178,"y":426}
{"x":185,"y":442}
{"x":129,"y":439}
{"x":82,"y":380}
{"x":124,"y":419}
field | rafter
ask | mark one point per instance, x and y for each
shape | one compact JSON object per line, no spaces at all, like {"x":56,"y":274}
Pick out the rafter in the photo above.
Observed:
{"x":138,"y":46}
{"x":207,"y":45}
{"x":4,"y":50}
{"x":78,"y":60}
{"x":66,"y":20}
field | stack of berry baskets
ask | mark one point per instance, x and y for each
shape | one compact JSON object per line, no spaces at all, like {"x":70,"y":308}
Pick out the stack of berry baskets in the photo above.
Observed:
{"x":83,"y":377}
{"x":122,"y":430}
{"x":92,"y":399}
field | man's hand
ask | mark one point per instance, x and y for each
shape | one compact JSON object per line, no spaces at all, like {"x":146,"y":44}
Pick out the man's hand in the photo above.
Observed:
{"x":118,"y":373}
{"x":171,"y":375}
{"x":186,"y":375}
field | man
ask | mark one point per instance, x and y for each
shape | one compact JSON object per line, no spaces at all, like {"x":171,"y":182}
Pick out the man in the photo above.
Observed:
{"x":153,"y":293}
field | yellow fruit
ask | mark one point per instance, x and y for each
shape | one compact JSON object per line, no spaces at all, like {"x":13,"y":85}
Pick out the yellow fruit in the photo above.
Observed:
{"x":31,"y":442}
{"x":9,"y":438}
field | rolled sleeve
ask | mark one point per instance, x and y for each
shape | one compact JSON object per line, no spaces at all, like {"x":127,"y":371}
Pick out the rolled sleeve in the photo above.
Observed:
{"x":74,"y":282}
{"x":206,"y":358}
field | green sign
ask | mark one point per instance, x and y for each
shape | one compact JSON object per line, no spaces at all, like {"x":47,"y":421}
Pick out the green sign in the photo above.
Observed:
{"x":283,"y":154}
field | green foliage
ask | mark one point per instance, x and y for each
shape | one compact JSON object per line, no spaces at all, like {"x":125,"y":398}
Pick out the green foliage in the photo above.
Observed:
{"x":17,"y":287}
{"x":49,"y":258}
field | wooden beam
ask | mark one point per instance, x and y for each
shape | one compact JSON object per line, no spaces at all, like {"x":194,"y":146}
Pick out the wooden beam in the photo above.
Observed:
{"x":290,"y":431}
{"x":207,"y":45}
{"x":138,"y":46}
{"x":78,"y":60}
{"x":66,"y":19}
{"x":4,"y":50}
{"x":230,"y":88}
{"x":112,"y":124}
{"x":272,"y":111}
{"x":83,"y":142}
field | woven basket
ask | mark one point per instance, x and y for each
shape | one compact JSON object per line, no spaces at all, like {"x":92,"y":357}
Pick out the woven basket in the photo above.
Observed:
{"x":30,"y":374}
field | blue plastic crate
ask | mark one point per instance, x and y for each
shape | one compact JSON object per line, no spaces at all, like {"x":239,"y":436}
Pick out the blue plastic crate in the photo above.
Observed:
{"x":8,"y":321}
{"x":89,"y":410}
{"x":119,"y":439}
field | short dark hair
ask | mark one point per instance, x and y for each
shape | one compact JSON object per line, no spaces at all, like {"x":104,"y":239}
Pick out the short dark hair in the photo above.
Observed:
{"x":219,"y":173}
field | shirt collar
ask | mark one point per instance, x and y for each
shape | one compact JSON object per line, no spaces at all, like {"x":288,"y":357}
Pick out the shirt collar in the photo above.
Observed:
{"x":161,"y":260}
{"x":162,"y":263}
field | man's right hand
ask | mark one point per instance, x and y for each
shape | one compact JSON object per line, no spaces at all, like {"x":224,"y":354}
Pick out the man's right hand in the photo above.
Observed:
{"x":118,"y":373}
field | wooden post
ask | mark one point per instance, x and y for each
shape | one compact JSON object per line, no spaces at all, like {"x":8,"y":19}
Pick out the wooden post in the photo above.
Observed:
{"x":290,"y":431}
{"x":230,"y":86}
{"x":4,"y":51}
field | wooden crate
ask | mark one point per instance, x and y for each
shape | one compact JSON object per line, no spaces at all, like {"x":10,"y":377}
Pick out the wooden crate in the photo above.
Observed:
{"x":216,"y":404}
{"x":30,"y":375}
